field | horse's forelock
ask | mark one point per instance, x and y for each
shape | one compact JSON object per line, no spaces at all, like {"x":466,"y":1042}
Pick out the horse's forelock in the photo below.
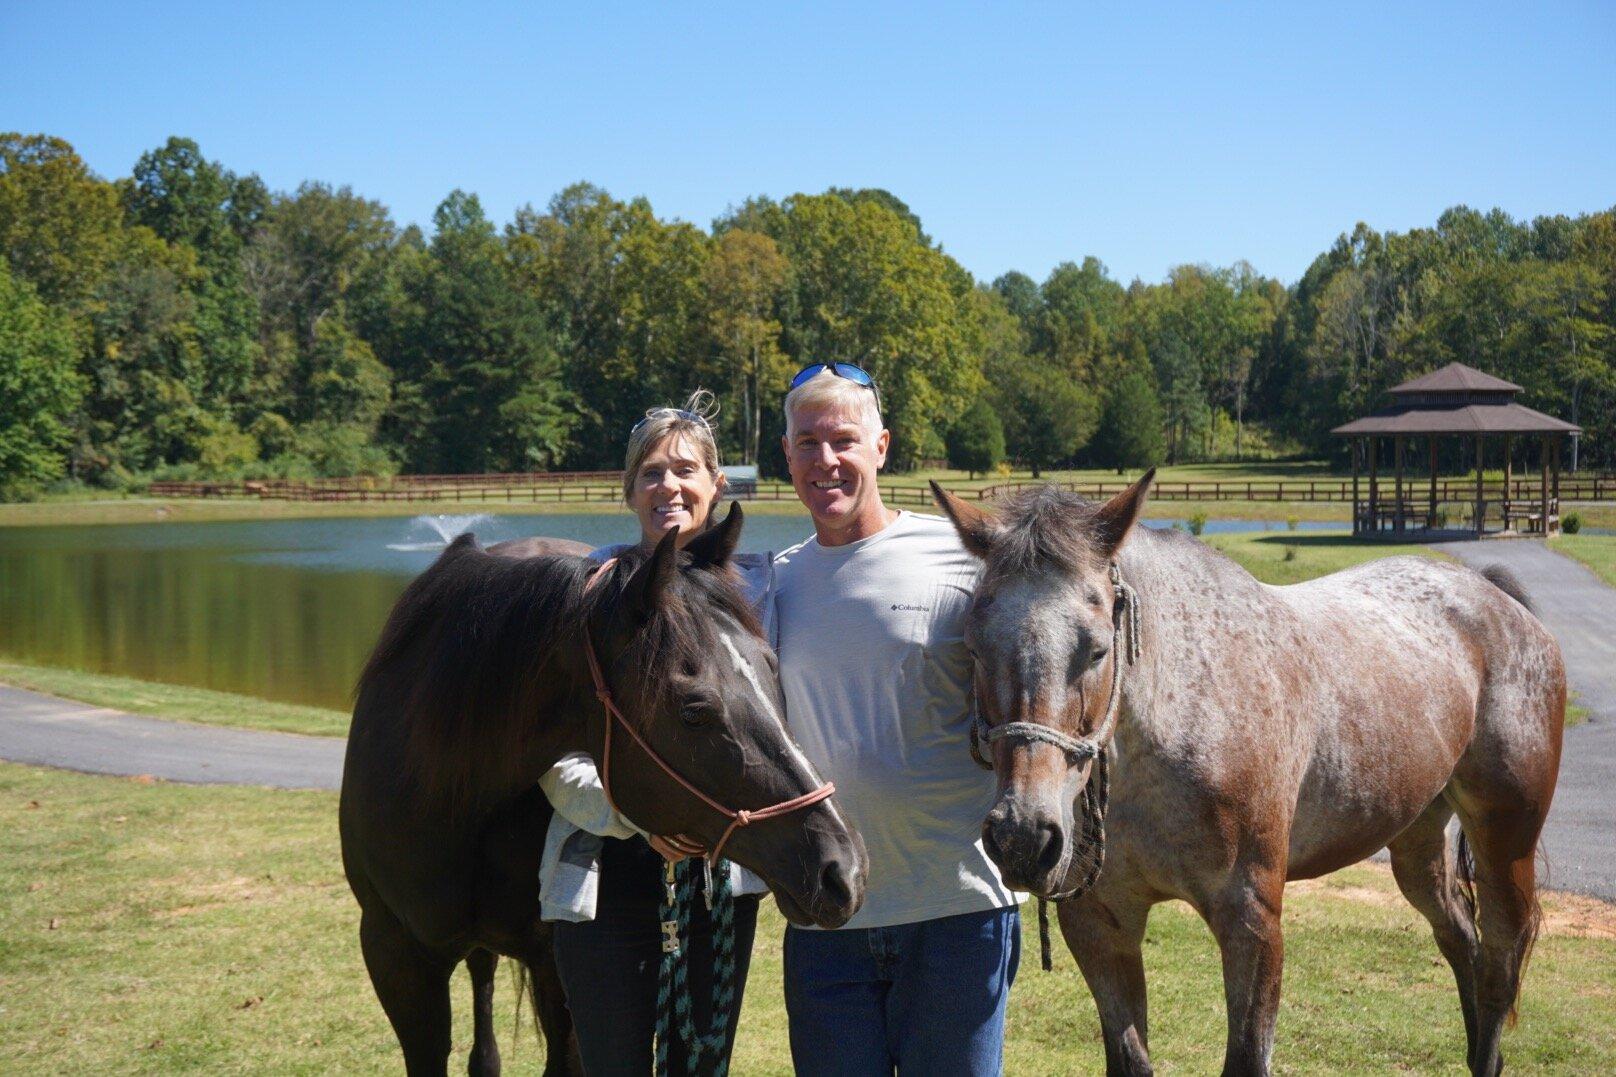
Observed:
{"x":1045,"y":529}
{"x":677,"y":635}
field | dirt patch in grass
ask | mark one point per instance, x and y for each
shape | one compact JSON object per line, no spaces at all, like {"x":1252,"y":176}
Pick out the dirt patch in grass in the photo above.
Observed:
{"x":1565,"y":915}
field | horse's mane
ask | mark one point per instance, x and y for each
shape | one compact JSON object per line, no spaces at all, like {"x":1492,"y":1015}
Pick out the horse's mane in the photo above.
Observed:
{"x":468,"y":657}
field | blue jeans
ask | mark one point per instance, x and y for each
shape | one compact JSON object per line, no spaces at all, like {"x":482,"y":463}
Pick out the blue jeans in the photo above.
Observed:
{"x":922,"y":998}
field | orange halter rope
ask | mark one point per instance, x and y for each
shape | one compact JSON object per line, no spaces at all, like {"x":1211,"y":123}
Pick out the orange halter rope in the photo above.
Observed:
{"x":737,"y":818}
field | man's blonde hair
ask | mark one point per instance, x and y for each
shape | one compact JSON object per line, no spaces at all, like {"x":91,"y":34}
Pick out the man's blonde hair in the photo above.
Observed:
{"x":829,"y":390}
{"x":693,"y":422}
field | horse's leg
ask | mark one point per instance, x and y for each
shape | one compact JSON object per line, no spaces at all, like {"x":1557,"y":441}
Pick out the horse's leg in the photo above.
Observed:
{"x":1505,"y":847}
{"x":1427,"y":873}
{"x":1244,"y":917}
{"x":413,"y":986}
{"x":1105,"y":938}
{"x":484,"y":1048}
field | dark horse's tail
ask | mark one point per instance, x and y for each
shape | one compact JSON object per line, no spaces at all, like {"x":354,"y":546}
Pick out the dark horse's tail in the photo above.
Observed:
{"x":1507,"y":582}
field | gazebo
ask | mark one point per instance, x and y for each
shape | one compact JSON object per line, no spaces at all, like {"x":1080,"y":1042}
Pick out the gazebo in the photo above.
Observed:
{"x":1458,"y":401}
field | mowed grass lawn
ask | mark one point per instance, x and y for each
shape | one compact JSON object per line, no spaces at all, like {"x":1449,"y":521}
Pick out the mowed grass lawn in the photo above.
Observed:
{"x":153,"y":928}
{"x":1598,"y":552}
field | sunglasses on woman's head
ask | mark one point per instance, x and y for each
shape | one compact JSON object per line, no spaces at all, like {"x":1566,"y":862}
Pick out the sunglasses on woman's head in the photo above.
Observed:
{"x":677,"y":413}
{"x":841,"y":370}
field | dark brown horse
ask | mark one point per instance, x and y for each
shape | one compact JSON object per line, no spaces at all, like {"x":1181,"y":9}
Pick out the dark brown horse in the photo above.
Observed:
{"x":479,"y":684}
{"x":1261,"y":734}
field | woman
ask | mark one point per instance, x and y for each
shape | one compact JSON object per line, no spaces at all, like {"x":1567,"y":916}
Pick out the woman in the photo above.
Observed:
{"x":601,"y":880}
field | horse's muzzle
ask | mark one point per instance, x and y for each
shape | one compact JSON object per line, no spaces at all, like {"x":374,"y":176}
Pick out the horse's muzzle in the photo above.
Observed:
{"x":1028,"y":844}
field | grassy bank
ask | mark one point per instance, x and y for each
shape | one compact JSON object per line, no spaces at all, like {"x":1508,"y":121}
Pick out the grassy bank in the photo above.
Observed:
{"x":158,"y":928}
{"x":174,"y":701}
{"x":1598,"y":552}
{"x":1293,"y":556}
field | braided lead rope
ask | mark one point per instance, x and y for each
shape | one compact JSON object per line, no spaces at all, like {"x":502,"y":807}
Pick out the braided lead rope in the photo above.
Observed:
{"x":675,"y":1009}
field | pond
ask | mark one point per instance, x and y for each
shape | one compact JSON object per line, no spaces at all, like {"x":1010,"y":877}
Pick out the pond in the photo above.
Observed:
{"x":284,"y":609}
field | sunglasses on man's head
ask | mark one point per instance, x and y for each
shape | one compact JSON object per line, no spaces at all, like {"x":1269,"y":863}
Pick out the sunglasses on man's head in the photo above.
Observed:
{"x":841,"y":370}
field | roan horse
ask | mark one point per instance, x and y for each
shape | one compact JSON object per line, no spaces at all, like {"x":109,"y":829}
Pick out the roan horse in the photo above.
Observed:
{"x":479,"y":684}
{"x":1263,"y":734}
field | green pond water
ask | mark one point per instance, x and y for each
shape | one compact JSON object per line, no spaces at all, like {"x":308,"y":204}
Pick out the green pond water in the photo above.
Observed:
{"x":284,"y":609}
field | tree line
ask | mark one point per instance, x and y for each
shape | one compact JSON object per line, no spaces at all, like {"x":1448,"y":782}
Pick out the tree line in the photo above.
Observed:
{"x":185,"y":321}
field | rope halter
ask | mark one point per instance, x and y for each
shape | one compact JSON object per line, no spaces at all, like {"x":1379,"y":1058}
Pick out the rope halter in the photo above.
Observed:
{"x":1125,"y":621}
{"x":614,"y":716}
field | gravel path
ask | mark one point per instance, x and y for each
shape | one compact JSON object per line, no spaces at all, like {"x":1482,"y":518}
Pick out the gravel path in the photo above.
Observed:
{"x":42,"y":729}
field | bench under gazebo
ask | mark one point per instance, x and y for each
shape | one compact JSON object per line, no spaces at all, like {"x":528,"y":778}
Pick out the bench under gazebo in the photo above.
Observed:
{"x":1455,"y":401}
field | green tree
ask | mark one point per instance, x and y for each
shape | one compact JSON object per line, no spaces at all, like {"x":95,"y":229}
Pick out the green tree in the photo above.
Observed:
{"x":745,"y":279}
{"x":1130,"y":430}
{"x":865,"y":289}
{"x":197,"y":204}
{"x":482,"y":382}
{"x":59,"y":225}
{"x":1048,"y":418}
{"x":976,"y":441}
{"x":39,"y":389}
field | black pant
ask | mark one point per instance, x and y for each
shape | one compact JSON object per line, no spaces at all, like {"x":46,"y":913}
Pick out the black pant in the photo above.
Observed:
{"x":609,"y":965}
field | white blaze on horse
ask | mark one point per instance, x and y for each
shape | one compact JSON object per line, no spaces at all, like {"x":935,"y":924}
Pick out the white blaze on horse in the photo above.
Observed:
{"x":1260,"y":734}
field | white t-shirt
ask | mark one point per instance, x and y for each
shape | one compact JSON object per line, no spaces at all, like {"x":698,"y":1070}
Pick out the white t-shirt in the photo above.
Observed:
{"x":877,"y":685}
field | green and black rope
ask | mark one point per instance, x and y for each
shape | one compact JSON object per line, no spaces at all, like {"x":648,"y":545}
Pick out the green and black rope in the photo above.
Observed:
{"x":675,"y":1012}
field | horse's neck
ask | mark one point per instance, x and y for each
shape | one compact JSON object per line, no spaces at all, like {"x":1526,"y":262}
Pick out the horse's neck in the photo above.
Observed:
{"x":1188,"y":596}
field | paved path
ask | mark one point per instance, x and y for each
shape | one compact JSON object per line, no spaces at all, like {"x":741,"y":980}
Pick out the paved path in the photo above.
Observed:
{"x":55,"y":732}
{"x":1580,"y":609}
{"x":1580,"y":838}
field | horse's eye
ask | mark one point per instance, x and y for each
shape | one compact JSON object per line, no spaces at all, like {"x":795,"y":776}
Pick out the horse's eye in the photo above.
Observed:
{"x":693,"y":715}
{"x":1097,"y":655}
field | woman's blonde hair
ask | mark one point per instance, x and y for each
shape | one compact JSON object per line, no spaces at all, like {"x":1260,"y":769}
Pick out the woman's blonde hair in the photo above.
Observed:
{"x":693,"y":422}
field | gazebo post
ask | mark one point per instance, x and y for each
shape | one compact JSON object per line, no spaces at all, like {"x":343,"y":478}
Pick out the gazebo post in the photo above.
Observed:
{"x":1357,"y":516}
{"x":1481,"y":503}
{"x":1430,"y":516}
{"x":1373,"y":521}
{"x":1543,"y":490}
{"x":1554,"y":471}
{"x":1509,"y":444}
{"x":1397,"y":457}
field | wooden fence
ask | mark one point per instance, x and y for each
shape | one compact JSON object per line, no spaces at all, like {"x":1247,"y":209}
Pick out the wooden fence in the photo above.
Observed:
{"x":606,"y":486}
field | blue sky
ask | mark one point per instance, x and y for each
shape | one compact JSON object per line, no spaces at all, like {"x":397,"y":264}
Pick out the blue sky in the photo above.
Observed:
{"x":1023,"y":135}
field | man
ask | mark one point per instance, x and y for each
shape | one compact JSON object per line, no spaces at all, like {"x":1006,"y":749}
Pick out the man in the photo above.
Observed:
{"x":870,"y":614}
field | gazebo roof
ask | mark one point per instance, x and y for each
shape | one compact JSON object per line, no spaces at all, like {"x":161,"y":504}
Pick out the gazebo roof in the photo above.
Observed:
{"x":1505,"y":417}
{"x":1456,"y":399}
{"x":1456,"y":378}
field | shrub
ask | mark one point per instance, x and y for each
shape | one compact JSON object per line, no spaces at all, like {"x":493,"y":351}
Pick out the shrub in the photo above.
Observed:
{"x":1197,"y":523}
{"x":1571,"y":523}
{"x":1291,"y":523}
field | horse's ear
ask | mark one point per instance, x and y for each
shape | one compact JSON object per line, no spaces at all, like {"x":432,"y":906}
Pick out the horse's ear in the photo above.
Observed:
{"x":1115,"y":520}
{"x":713,"y":547}
{"x":976,"y":526}
{"x":645,"y":587}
